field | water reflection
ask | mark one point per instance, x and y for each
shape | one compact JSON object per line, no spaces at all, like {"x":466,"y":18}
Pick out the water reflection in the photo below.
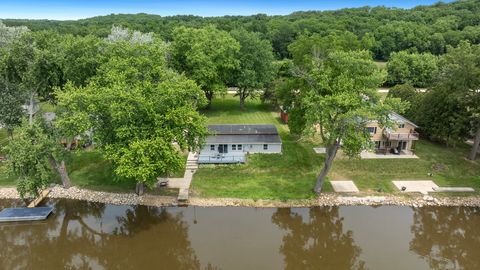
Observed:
{"x":448,"y":238}
{"x":317,"y":241}
{"x":82,"y":236}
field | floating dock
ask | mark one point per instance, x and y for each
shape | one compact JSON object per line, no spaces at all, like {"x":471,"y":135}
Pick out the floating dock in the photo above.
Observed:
{"x":25,"y":214}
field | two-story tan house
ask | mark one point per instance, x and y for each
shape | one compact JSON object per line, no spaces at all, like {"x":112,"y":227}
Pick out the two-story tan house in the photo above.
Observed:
{"x":400,"y":140}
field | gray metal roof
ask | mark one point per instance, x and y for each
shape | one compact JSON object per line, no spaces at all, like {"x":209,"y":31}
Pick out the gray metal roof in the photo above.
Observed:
{"x":254,"y":134}
{"x":243,"y":129}
{"x":253,"y":139}
{"x":400,"y":119}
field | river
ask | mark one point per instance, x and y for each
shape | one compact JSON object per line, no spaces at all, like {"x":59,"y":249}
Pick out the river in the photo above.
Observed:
{"x":85,"y":235}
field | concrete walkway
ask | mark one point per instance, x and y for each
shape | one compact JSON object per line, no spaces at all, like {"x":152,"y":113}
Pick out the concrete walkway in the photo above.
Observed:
{"x":371,"y":155}
{"x":422,"y":186}
{"x":183,"y":184}
{"x":346,"y":186}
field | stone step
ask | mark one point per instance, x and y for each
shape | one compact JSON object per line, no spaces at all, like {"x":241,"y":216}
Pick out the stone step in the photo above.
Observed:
{"x":182,"y":195}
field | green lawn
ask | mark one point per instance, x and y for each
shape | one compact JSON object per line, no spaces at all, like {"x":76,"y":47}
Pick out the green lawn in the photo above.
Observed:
{"x":291,"y":175}
{"x":448,"y":166}
{"x":88,"y":169}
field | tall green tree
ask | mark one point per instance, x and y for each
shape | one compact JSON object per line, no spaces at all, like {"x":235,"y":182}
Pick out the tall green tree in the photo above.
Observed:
{"x":33,"y":65}
{"x":256,"y":68}
{"x":10,"y":34}
{"x":459,"y":84}
{"x":418,"y":69}
{"x":11,"y":100}
{"x":341,"y":98}
{"x":408,"y":93}
{"x":142,"y":114}
{"x":206,"y":55}
{"x":80,"y":57}
{"x":308,"y":47}
{"x":32,"y":155}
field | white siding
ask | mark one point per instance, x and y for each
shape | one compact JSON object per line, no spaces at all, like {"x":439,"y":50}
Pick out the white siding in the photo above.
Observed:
{"x":248,"y":148}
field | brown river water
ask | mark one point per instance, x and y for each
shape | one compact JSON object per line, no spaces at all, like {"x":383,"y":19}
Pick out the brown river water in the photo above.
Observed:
{"x":84,"y":235}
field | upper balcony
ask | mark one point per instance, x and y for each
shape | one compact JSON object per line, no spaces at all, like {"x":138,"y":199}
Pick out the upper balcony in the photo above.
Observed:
{"x":395,"y":136}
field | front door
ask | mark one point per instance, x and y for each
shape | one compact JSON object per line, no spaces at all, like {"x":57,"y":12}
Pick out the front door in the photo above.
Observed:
{"x":402,"y":145}
{"x":223,"y":148}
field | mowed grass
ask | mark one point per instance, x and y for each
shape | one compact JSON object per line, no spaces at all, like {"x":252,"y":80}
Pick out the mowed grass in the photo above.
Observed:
{"x":88,"y":169}
{"x":447,"y":166}
{"x":292,"y":174}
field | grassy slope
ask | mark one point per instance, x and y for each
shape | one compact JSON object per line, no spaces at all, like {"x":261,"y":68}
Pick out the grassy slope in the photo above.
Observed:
{"x":292,"y":174}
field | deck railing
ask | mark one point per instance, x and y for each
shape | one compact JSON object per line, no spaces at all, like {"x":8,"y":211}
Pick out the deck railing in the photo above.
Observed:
{"x":221,"y":158}
{"x":401,"y":136}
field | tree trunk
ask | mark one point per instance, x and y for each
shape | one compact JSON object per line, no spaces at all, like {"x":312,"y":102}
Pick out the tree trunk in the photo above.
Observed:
{"x":140,"y":188}
{"x":242,"y":102}
{"x":475,"y":147}
{"x":69,"y":143}
{"x":61,"y":170}
{"x":331,"y":153}
{"x":30,"y":108}
{"x":209,"y":96}
{"x":10,"y":133}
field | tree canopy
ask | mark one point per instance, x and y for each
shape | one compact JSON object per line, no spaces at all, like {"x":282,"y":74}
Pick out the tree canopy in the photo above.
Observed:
{"x":142,"y":114}
{"x":256,"y":69}
{"x":341,"y":98}
{"x":206,"y":55}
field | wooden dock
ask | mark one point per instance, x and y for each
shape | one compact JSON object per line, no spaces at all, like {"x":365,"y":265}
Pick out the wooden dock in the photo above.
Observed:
{"x":40,"y":198}
{"x":25,"y":214}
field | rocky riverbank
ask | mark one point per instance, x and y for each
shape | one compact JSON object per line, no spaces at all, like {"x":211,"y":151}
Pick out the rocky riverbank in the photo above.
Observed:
{"x":329,"y":199}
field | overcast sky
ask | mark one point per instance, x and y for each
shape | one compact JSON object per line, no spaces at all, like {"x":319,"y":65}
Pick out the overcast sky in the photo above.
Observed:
{"x":76,"y":9}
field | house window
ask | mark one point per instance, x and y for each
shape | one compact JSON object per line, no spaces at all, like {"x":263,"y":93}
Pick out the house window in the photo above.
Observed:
{"x":372,"y":130}
{"x":401,"y":125}
{"x":212,"y":147}
{"x":377,"y":144}
{"x":234,"y":147}
{"x":265,"y":147}
{"x":239,"y":147}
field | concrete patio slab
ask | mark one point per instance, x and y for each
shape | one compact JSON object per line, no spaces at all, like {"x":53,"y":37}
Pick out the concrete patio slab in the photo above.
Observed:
{"x":344,"y":186}
{"x":320,"y":150}
{"x":371,"y":155}
{"x":422,"y":186}
{"x":454,"y":189}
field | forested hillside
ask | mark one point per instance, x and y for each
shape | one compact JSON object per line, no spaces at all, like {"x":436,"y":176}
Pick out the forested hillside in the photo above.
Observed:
{"x":421,"y":29}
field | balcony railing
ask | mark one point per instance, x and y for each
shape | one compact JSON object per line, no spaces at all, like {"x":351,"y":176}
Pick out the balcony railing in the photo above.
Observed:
{"x":221,"y":158}
{"x":393,"y":136}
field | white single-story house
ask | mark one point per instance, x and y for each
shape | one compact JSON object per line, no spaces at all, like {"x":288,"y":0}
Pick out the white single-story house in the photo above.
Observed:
{"x":230,"y":143}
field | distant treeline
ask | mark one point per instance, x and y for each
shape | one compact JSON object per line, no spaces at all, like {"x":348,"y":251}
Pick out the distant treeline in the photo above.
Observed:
{"x":420,"y":29}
